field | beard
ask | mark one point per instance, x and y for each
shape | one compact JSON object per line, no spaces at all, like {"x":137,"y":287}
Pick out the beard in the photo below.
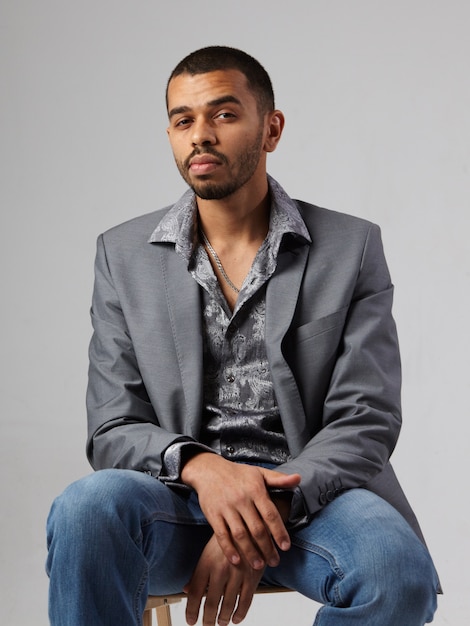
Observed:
{"x":243,"y":168}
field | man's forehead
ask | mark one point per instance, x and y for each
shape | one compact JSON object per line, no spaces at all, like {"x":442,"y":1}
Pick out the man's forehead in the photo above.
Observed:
{"x":202,"y":88}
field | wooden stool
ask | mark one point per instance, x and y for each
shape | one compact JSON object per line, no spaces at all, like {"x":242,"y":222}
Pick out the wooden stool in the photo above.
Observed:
{"x":162,"y":605}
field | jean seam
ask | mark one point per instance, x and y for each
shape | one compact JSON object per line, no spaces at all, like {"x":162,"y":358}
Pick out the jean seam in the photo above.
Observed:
{"x":160,"y":516}
{"x":138,"y":595}
{"x":311,"y":547}
{"x":141,"y":585}
{"x":330,"y":559}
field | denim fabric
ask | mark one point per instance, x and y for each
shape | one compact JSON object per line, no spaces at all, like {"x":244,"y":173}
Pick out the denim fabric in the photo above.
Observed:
{"x":117,"y":535}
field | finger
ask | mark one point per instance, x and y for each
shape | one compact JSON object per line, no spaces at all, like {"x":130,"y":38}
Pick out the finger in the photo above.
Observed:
{"x":192,"y":611}
{"x":223,"y":535}
{"x":214,"y":595}
{"x":251,"y":538}
{"x":259,"y":536}
{"x":244,"y":602}
{"x":195,"y":590}
{"x":268,"y":510}
{"x":273,"y":478}
{"x":235,"y":532}
{"x":227,"y":605}
{"x":274,"y":523}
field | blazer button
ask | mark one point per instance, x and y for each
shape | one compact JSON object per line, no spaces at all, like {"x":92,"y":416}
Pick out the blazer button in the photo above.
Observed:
{"x":229,"y":449}
{"x":322,"y":498}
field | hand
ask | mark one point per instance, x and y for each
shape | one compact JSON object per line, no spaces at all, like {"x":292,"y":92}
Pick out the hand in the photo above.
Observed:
{"x":235,"y":500}
{"x":230,"y":586}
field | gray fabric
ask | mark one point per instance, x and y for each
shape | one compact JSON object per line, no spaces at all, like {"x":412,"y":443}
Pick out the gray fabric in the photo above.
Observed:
{"x":241,"y":419}
{"x":331,"y":346}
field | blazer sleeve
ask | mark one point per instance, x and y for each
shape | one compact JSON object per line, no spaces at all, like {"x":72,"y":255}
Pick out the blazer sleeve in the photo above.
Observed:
{"x":359,"y":409}
{"x":123,"y":429}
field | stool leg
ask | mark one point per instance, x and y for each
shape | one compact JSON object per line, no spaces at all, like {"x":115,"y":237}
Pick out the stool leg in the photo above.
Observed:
{"x":163,"y":615}
{"x":147,"y":618}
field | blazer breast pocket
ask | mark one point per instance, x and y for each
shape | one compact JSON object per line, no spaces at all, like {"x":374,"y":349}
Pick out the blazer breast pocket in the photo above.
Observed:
{"x":321,"y":326}
{"x":313,"y":347}
{"x":311,"y":351}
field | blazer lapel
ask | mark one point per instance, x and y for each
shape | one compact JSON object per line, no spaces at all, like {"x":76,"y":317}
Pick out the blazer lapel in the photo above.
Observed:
{"x":281,"y":299}
{"x":184,"y":306}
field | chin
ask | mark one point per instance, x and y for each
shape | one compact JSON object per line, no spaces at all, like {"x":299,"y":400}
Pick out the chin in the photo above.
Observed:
{"x":212,"y":191}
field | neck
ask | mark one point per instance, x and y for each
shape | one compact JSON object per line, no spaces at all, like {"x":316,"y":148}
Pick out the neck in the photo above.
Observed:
{"x":243,"y":215}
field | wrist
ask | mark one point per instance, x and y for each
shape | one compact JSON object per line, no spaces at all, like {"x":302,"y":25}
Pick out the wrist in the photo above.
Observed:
{"x":195,"y":466}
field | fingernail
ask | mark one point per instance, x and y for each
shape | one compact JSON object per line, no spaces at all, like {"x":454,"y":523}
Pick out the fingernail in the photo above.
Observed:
{"x":285,"y":545}
{"x":257,"y":564}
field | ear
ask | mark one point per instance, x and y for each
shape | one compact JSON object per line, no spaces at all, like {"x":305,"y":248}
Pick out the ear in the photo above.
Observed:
{"x":274,"y":126}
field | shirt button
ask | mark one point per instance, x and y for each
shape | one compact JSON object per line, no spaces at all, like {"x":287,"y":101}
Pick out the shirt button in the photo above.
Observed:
{"x":230,"y":378}
{"x":229,"y":449}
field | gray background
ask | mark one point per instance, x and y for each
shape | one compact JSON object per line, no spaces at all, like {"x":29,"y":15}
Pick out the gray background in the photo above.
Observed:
{"x":377,"y":100}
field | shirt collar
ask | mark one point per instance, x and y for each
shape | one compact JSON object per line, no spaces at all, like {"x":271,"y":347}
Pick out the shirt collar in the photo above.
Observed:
{"x":179,"y":225}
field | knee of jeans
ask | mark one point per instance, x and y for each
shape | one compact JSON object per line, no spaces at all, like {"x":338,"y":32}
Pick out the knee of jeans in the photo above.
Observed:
{"x":95,"y":498}
{"x":403,"y":568}
{"x":415,"y":572}
{"x":412,"y":580}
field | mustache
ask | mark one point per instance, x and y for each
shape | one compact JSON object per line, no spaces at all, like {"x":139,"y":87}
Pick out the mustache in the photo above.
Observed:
{"x":197,"y":152}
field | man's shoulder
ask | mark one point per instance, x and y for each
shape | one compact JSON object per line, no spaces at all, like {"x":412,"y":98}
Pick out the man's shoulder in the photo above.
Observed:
{"x":320,"y":218}
{"x":332,"y":230}
{"x":136,"y":227}
{"x":316,"y":218}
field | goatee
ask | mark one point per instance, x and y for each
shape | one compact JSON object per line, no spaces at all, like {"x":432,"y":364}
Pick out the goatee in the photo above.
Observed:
{"x":238,"y":174}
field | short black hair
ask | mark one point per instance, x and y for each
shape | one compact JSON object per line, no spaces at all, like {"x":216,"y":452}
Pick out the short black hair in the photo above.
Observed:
{"x":213,"y":58}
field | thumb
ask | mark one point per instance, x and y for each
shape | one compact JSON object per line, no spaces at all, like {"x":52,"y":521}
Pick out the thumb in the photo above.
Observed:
{"x":280,"y":480}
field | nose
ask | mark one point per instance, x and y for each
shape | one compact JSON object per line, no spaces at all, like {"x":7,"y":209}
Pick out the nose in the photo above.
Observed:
{"x":203,"y":133}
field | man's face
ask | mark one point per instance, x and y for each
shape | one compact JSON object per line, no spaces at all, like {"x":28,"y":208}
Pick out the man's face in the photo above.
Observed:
{"x":216,"y":132}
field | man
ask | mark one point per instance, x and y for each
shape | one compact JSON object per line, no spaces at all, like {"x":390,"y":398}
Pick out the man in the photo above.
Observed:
{"x":243,"y":393}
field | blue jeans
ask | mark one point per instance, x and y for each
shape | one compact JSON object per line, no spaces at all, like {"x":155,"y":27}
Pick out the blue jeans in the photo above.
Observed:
{"x":118,"y":535}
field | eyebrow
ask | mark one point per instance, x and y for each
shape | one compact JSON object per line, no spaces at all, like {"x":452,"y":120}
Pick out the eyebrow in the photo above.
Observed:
{"x":211,"y":103}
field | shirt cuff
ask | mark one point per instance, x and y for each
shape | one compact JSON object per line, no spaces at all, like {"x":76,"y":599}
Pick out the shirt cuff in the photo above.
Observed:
{"x":175,"y":456}
{"x":298,"y":515}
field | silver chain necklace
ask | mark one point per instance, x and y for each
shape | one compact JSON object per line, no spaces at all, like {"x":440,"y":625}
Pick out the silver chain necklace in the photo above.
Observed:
{"x":218,"y":262}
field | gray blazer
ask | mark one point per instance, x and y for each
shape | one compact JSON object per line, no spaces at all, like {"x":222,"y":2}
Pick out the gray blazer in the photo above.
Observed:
{"x":331,"y":344}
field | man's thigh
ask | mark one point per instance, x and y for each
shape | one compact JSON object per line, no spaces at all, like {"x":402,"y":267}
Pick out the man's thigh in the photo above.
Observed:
{"x":114,"y":511}
{"x":177,"y":541}
{"x":354,"y":541}
{"x":174,"y":531}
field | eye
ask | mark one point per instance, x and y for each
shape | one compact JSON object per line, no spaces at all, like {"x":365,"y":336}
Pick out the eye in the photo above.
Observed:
{"x":185,"y":121}
{"x":226,"y":115}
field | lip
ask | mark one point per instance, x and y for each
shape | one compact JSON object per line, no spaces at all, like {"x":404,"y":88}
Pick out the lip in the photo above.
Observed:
{"x":203,"y":163}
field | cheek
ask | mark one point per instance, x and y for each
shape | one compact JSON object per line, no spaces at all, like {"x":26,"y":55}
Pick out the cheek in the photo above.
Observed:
{"x":177,"y":149}
{"x":238,"y":144}
{"x":175,"y":138}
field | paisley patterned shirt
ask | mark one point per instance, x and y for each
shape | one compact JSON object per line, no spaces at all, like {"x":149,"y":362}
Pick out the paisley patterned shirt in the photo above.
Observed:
{"x":241,"y":418}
